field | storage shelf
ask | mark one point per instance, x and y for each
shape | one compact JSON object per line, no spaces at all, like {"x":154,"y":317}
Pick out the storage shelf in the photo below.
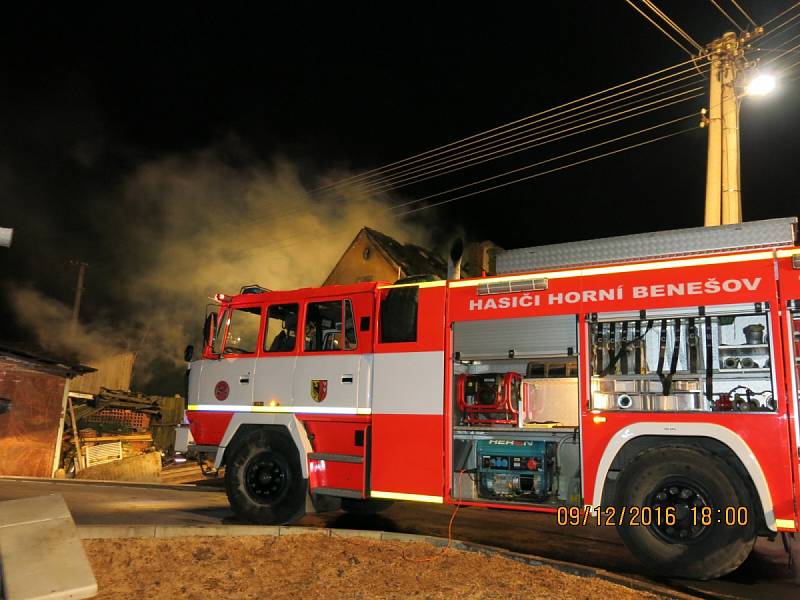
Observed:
{"x":742,"y":346}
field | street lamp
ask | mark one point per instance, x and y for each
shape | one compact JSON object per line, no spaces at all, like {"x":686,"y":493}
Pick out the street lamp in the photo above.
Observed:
{"x":760,"y":85}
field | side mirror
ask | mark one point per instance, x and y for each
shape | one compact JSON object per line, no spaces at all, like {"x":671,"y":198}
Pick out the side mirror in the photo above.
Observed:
{"x":188,"y":353}
{"x":209,"y":328}
{"x":5,"y":405}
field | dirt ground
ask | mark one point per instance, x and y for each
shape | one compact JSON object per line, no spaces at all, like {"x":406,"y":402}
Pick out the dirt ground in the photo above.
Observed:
{"x":313,"y":566}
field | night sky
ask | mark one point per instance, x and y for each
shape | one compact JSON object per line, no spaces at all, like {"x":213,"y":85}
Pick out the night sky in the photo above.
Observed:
{"x":86,"y":97}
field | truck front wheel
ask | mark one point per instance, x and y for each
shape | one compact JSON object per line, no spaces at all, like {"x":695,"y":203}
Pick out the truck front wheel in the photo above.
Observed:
{"x":264,"y":479}
{"x":714,"y":526}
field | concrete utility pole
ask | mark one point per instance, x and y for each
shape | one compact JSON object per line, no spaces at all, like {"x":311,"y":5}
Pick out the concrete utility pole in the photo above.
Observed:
{"x":76,"y":305}
{"x":723,"y":190}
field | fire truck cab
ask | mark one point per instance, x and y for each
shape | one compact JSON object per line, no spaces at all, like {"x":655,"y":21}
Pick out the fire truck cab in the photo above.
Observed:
{"x":644,"y":382}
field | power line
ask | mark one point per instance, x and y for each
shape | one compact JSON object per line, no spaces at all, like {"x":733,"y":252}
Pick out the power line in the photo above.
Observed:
{"x":782,"y":54}
{"x":779,"y":15}
{"x":530,"y":166}
{"x":661,"y":29}
{"x":523,"y":131}
{"x":557,"y":135}
{"x":284,"y":214}
{"x":727,"y":16}
{"x":300,"y":238}
{"x":553,"y":170}
{"x":784,"y":42}
{"x":774,"y":30}
{"x":746,"y":16}
{"x":494,"y":131}
{"x":672,"y":24}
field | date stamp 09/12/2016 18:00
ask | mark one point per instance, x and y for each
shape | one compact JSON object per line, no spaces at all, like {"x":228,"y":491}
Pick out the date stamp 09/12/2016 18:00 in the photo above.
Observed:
{"x":647,"y":516}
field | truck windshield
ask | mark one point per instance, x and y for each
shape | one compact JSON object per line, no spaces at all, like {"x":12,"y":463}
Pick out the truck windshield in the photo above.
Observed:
{"x":243,"y":330}
{"x":216,"y":342}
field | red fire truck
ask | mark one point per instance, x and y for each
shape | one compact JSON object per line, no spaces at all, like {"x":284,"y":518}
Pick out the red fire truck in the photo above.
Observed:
{"x":647,"y":382}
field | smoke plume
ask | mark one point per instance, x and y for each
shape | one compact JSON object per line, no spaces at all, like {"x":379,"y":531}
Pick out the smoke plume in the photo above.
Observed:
{"x":182,"y":228}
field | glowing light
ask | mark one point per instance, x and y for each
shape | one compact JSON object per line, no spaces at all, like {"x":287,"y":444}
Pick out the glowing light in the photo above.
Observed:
{"x":598,"y":419}
{"x":760,"y":85}
{"x":273,"y":402}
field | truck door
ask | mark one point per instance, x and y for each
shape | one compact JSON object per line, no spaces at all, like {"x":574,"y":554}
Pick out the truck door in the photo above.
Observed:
{"x":274,"y":377}
{"x":228,"y":381}
{"x":332,"y":370}
{"x":331,"y":391}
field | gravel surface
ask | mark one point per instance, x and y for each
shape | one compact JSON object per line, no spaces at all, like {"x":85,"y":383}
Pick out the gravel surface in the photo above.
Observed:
{"x":312,"y":566}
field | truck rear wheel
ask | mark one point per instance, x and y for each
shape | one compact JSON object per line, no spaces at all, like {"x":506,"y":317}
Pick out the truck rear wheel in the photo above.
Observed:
{"x":264,"y":479}
{"x":698,"y":486}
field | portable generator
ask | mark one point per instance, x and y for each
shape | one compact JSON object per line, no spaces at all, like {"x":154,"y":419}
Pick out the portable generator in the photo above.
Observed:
{"x":489,"y":397}
{"x":514,"y":469}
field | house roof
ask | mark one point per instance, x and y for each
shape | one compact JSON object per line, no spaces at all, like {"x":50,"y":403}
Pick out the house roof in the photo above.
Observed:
{"x":413,"y":260}
{"x":37,"y":361}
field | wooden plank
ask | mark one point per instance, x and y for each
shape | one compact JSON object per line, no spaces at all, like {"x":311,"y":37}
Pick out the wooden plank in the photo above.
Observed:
{"x":76,"y":439}
{"x":139,"y":437}
{"x":29,"y":431}
{"x":113,"y":372}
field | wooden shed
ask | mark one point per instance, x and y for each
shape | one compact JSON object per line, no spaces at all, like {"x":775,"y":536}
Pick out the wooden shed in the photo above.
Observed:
{"x":33,"y":395}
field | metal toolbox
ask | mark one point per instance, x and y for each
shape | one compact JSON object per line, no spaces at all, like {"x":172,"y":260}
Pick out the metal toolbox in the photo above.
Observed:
{"x":681,"y":401}
{"x":551,"y":400}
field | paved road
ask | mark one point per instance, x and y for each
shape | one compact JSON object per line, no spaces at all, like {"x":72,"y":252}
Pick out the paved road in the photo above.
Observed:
{"x":765,"y":574}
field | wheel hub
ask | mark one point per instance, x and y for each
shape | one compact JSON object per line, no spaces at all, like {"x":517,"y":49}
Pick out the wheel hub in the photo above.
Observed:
{"x":265,"y":478}
{"x":685,"y":500}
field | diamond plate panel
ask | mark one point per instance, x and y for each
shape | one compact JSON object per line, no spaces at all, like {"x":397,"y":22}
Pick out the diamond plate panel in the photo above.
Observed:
{"x":649,"y":246}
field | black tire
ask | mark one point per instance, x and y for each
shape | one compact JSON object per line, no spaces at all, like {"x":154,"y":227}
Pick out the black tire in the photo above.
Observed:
{"x":264,"y":479}
{"x":665,"y":476}
{"x":365,"y":507}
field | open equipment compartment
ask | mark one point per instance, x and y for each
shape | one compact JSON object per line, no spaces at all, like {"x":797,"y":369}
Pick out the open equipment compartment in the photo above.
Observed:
{"x":713,"y":359}
{"x":516,"y":411}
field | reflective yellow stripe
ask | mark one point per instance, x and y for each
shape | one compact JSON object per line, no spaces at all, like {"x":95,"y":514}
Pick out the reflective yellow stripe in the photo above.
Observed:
{"x":421,"y":284}
{"x":785,"y":523}
{"x":412,"y":497}
{"x":322,"y":410}
{"x":665,"y":264}
{"x":787,"y":253}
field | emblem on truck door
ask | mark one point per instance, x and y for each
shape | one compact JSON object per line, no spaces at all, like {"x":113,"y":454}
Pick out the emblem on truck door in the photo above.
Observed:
{"x":221,"y":390}
{"x":319,"y":389}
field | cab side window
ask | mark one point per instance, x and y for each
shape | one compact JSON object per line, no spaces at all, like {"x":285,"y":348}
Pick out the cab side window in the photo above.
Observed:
{"x":281,"y":333}
{"x":243,"y":331}
{"x":325,"y":324}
